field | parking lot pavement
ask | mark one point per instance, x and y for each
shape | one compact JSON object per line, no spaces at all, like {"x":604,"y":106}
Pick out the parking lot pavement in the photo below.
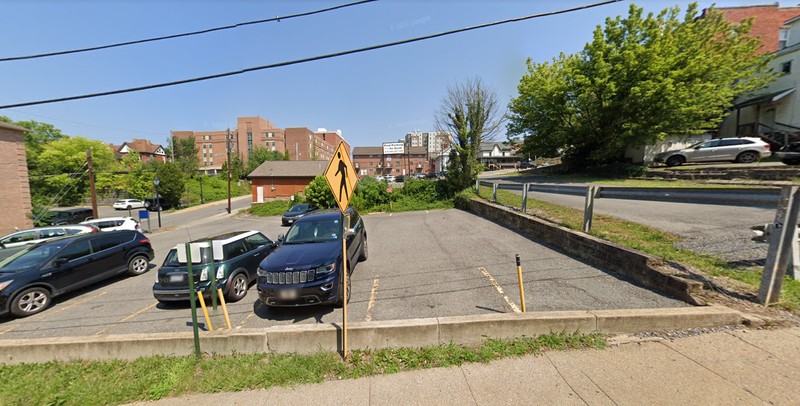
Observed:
{"x":421,"y":264}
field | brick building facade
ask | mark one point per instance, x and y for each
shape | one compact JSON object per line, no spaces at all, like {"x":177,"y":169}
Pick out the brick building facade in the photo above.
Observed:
{"x":16,"y":196}
{"x":767,"y":21}
{"x":371,"y":161}
{"x":274,"y":179}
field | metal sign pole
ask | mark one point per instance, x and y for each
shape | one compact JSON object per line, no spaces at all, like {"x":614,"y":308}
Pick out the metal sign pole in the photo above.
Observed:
{"x":345,"y":229}
{"x":779,"y":252}
{"x":192,"y":297}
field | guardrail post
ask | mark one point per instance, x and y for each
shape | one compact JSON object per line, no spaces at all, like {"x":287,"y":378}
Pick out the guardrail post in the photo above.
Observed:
{"x":524,"y":197}
{"x":780,"y":245}
{"x":793,"y":269}
{"x":588,"y":207}
{"x":477,"y":185}
{"x":494,"y":192}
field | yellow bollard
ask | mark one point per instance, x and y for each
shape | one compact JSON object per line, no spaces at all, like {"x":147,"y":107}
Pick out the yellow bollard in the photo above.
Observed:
{"x":205,"y":311}
{"x":521,"y":289}
{"x":224,"y":308}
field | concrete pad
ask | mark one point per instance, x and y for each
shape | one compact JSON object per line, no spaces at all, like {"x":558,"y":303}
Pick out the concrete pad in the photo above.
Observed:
{"x":346,"y":392}
{"x":249,"y":398}
{"x":394,"y":333}
{"x":438,"y":386}
{"x":472,"y":330}
{"x":781,"y":344}
{"x":303,"y":338}
{"x":744,"y":365}
{"x":648,"y":373}
{"x":638,"y":320}
{"x":530,"y":380}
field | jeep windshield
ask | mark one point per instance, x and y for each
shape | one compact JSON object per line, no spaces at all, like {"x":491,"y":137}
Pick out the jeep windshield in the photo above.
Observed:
{"x":313,"y":231}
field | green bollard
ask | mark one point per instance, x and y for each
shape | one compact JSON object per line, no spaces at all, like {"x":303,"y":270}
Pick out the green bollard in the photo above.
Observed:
{"x":192,"y":298}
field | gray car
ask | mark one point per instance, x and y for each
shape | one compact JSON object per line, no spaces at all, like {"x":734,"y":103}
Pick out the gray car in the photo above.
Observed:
{"x":742,"y":150}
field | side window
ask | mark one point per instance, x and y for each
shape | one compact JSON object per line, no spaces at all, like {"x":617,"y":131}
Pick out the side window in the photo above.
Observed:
{"x":710,"y":144}
{"x":51,"y":232}
{"x":256,"y":241}
{"x":73,"y":231}
{"x":107,"y":224}
{"x":234,"y":249}
{"x":21,"y":237}
{"x":106,"y":242}
{"x":726,"y":143}
{"x":77,"y":250}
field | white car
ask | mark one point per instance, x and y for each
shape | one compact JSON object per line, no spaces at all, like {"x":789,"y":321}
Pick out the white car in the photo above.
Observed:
{"x":115,"y":223}
{"x":389,"y":178}
{"x":127,"y":204}
{"x":35,"y":235}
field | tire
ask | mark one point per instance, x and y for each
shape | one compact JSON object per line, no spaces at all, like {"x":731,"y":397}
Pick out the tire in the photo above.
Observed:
{"x":128,"y":208}
{"x":363,"y":256}
{"x":791,"y":161}
{"x":30,"y":301}
{"x":675,"y":160}
{"x":746,"y":157}
{"x":340,"y":300}
{"x":237,"y":289}
{"x":138,"y":265}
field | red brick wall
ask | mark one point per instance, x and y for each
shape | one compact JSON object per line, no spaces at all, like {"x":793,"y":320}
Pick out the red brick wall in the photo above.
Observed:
{"x":16,"y":197}
{"x":284,"y":187}
{"x":767,"y":21}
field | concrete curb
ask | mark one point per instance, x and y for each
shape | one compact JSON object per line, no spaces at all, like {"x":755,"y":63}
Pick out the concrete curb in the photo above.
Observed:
{"x":309,"y":338}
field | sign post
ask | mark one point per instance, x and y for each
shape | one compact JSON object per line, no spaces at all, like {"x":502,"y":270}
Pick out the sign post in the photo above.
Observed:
{"x":342,"y":180}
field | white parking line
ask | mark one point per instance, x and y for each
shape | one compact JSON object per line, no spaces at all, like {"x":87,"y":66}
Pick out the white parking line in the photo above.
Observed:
{"x":494,"y":283}
{"x":372,"y":297}
{"x":103,"y":331}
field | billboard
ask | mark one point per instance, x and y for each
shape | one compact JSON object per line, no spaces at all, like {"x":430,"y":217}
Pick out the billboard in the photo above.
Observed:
{"x":393,"y":148}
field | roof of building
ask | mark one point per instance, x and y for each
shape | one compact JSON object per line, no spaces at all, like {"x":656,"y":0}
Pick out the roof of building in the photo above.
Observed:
{"x":504,"y":146}
{"x":289,"y":169}
{"x":9,"y":126}
{"x":142,"y":146}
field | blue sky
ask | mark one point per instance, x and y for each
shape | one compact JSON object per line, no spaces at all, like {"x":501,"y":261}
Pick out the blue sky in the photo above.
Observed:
{"x":372,"y":97}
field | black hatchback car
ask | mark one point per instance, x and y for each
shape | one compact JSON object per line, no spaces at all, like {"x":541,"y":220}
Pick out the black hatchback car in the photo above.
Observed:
{"x":234,"y":268}
{"x":29,"y":279}
{"x":306,"y":267}
{"x":297,"y":211}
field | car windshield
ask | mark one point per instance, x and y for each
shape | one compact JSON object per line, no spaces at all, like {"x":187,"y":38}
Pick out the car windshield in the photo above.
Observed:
{"x":298,"y":208}
{"x":33,"y":256}
{"x":313,"y":231}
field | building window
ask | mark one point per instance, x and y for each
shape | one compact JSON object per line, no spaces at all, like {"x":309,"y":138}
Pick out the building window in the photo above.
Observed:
{"x":370,"y":164}
{"x":786,"y":67}
{"x":783,"y":38}
{"x":270,"y":135}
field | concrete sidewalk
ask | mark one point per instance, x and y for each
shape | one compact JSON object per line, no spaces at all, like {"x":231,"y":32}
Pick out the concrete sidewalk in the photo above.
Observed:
{"x":740,"y":367}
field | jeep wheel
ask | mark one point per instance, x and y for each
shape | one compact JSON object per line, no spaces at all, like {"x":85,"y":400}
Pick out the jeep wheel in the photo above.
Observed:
{"x":238,"y":288}
{"x":364,"y":253}
{"x":340,"y":299}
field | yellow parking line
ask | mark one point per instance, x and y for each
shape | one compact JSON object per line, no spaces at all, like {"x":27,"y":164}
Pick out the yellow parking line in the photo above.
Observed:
{"x":48,"y":313}
{"x":500,"y":290}
{"x":7,"y":330}
{"x":372,"y":297}
{"x":103,"y":331}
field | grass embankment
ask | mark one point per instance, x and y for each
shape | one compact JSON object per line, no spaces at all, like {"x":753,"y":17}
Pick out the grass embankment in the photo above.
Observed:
{"x":114,"y":382}
{"x":649,"y":240}
{"x":215,"y":188}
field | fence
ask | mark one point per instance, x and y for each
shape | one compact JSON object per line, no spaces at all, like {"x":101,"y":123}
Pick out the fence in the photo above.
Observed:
{"x":783,"y":254}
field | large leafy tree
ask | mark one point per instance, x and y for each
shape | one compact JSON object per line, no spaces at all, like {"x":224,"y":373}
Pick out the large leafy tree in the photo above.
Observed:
{"x":172,"y":182}
{"x":258,"y":156}
{"x":471,"y":112}
{"x":183,"y":152}
{"x":641,"y":79}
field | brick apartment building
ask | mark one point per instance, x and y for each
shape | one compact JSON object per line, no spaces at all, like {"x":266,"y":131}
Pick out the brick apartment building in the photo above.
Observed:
{"x":255,"y":132}
{"x":391,"y":159}
{"x":768,"y":21}
{"x":16,"y":196}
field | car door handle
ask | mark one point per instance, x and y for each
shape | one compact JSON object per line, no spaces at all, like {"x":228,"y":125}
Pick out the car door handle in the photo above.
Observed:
{"x":47,"y":275}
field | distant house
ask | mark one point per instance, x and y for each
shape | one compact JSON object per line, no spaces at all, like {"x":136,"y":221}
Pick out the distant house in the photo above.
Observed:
{"x":16,"y":196}
{"x":499,"y":155}
{"x":147,"y":150}
{"x":283,"y":178}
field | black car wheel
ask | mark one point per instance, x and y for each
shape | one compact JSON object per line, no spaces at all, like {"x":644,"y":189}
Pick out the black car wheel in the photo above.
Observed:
{"x":340,"y":298}
{"x":747,"y":157}
{"x":30,"y":302}
{"x":128,"y":208}
{"x":238,"y":288}
{"x":675,"y":160}
{"x":138,"y":265}
{"x":364,"y":253}
{"x":793,"y":161}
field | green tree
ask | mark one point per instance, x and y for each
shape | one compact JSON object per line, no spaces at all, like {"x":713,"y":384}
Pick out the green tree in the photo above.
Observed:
{"x":641,"y":79}
{"x":319,"y":193}
{"x":471,"y":112}
{"x":258,"y":156}
{"x":183,"y":152}
{"x":171,"y":182}
{"x":38,"y":134}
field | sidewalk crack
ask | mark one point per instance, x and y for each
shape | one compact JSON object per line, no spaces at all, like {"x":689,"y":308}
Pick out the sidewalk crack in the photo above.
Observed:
{"x":567,"y":382}
{"x":471,"y":392}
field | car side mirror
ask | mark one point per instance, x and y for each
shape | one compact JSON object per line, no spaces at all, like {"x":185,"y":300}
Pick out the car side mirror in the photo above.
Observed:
{"x":280,"y":238}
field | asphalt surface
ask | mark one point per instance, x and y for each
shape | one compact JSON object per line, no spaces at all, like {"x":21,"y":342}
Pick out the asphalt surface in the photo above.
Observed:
{"x":421,"y":264}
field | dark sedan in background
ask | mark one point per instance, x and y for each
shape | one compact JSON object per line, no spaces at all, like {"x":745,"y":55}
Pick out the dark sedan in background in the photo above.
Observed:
{"x":297,"y":211}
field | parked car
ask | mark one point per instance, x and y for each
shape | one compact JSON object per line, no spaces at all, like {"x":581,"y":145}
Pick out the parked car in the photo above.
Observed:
{"x":31,"y":278}
{"x":389,"y":178}
{"x":127,"y":204}
{"x":790,"y":155}
{"x":234,"y":268}
{"x":66,"y":216}
{"x":306,"y":267}
{"x":297,"y":211}
{"x":114,"y":223}
{"x":153,"y":204}
{"x":743,"y":150}
{"x":37,"y":235}
{"x":400,"y":178}
{"x":527,"y":165}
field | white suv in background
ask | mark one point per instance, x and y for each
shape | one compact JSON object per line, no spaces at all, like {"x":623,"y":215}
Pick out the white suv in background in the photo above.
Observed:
{"x":127,"y":204}
{"x":115,"y":223}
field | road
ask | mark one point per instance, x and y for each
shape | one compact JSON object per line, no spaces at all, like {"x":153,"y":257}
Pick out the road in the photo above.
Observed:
{"x":421,"y":264}
{"x":722,"y":231}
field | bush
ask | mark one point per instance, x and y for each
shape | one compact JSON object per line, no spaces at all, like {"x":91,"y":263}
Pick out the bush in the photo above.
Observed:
{"x":422,"y":190}
{"x":318,"y":193}
{"x":271,"y":208}
{"x":461,"y":200}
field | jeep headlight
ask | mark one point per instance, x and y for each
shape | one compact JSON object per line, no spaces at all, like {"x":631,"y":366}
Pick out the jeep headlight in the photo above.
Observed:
{"x":325,"y":269}
{"x":261,"y":272}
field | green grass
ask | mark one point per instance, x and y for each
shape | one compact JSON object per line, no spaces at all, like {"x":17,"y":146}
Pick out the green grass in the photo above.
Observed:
{"x":153,"y":378}
{"x":406,"y":203}
{"x":637,"y":182}
{"x":270,"y":208}
{"x":649,"y":240}
{"x":215,"y":188}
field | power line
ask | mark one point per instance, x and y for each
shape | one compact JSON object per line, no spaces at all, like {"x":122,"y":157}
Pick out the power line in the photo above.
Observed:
{"x":310,"y":59}
{"x":87,"y":124}
{"x":185,"y":34}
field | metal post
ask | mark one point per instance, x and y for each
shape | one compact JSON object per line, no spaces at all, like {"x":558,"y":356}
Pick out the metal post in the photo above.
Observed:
{"x":477,"y":185}
{"x":780,"y":245}
{"x":192,"y":297}
{"x":793,"y":269}
{"x":525,"y":197}
{"x":521,"y":289}
{"x":588,"y":208}
{"x":345,"y":228}
{"x":494,"y":192}
{"x":91,"y":183}
{"x":156,"y":182}
{"x":229,"y":143}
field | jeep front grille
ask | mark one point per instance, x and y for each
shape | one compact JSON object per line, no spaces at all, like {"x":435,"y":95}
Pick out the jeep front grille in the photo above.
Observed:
{"x":288,"y":278}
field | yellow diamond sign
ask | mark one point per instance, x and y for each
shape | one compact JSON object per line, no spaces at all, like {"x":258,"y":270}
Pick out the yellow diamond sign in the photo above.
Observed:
{"x":341,"y":177}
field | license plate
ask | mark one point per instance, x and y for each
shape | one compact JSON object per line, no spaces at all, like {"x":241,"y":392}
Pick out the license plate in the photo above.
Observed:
{"x":176,"y":278}
{"x":288,"y":294}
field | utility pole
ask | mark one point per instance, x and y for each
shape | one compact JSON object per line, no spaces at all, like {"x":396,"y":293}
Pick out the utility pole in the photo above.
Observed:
{"x":91,"y":182}
{"x":228,"y":141}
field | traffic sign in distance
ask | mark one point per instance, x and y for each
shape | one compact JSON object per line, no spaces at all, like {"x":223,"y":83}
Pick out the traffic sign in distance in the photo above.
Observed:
{"x":341,"y":177}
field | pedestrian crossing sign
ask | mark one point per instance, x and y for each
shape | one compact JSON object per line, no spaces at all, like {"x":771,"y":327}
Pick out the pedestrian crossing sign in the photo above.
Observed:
{"x":341,"y":176}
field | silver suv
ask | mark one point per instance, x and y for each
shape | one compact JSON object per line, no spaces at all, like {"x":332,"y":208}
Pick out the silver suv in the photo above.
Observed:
{"x":742,"y":150}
